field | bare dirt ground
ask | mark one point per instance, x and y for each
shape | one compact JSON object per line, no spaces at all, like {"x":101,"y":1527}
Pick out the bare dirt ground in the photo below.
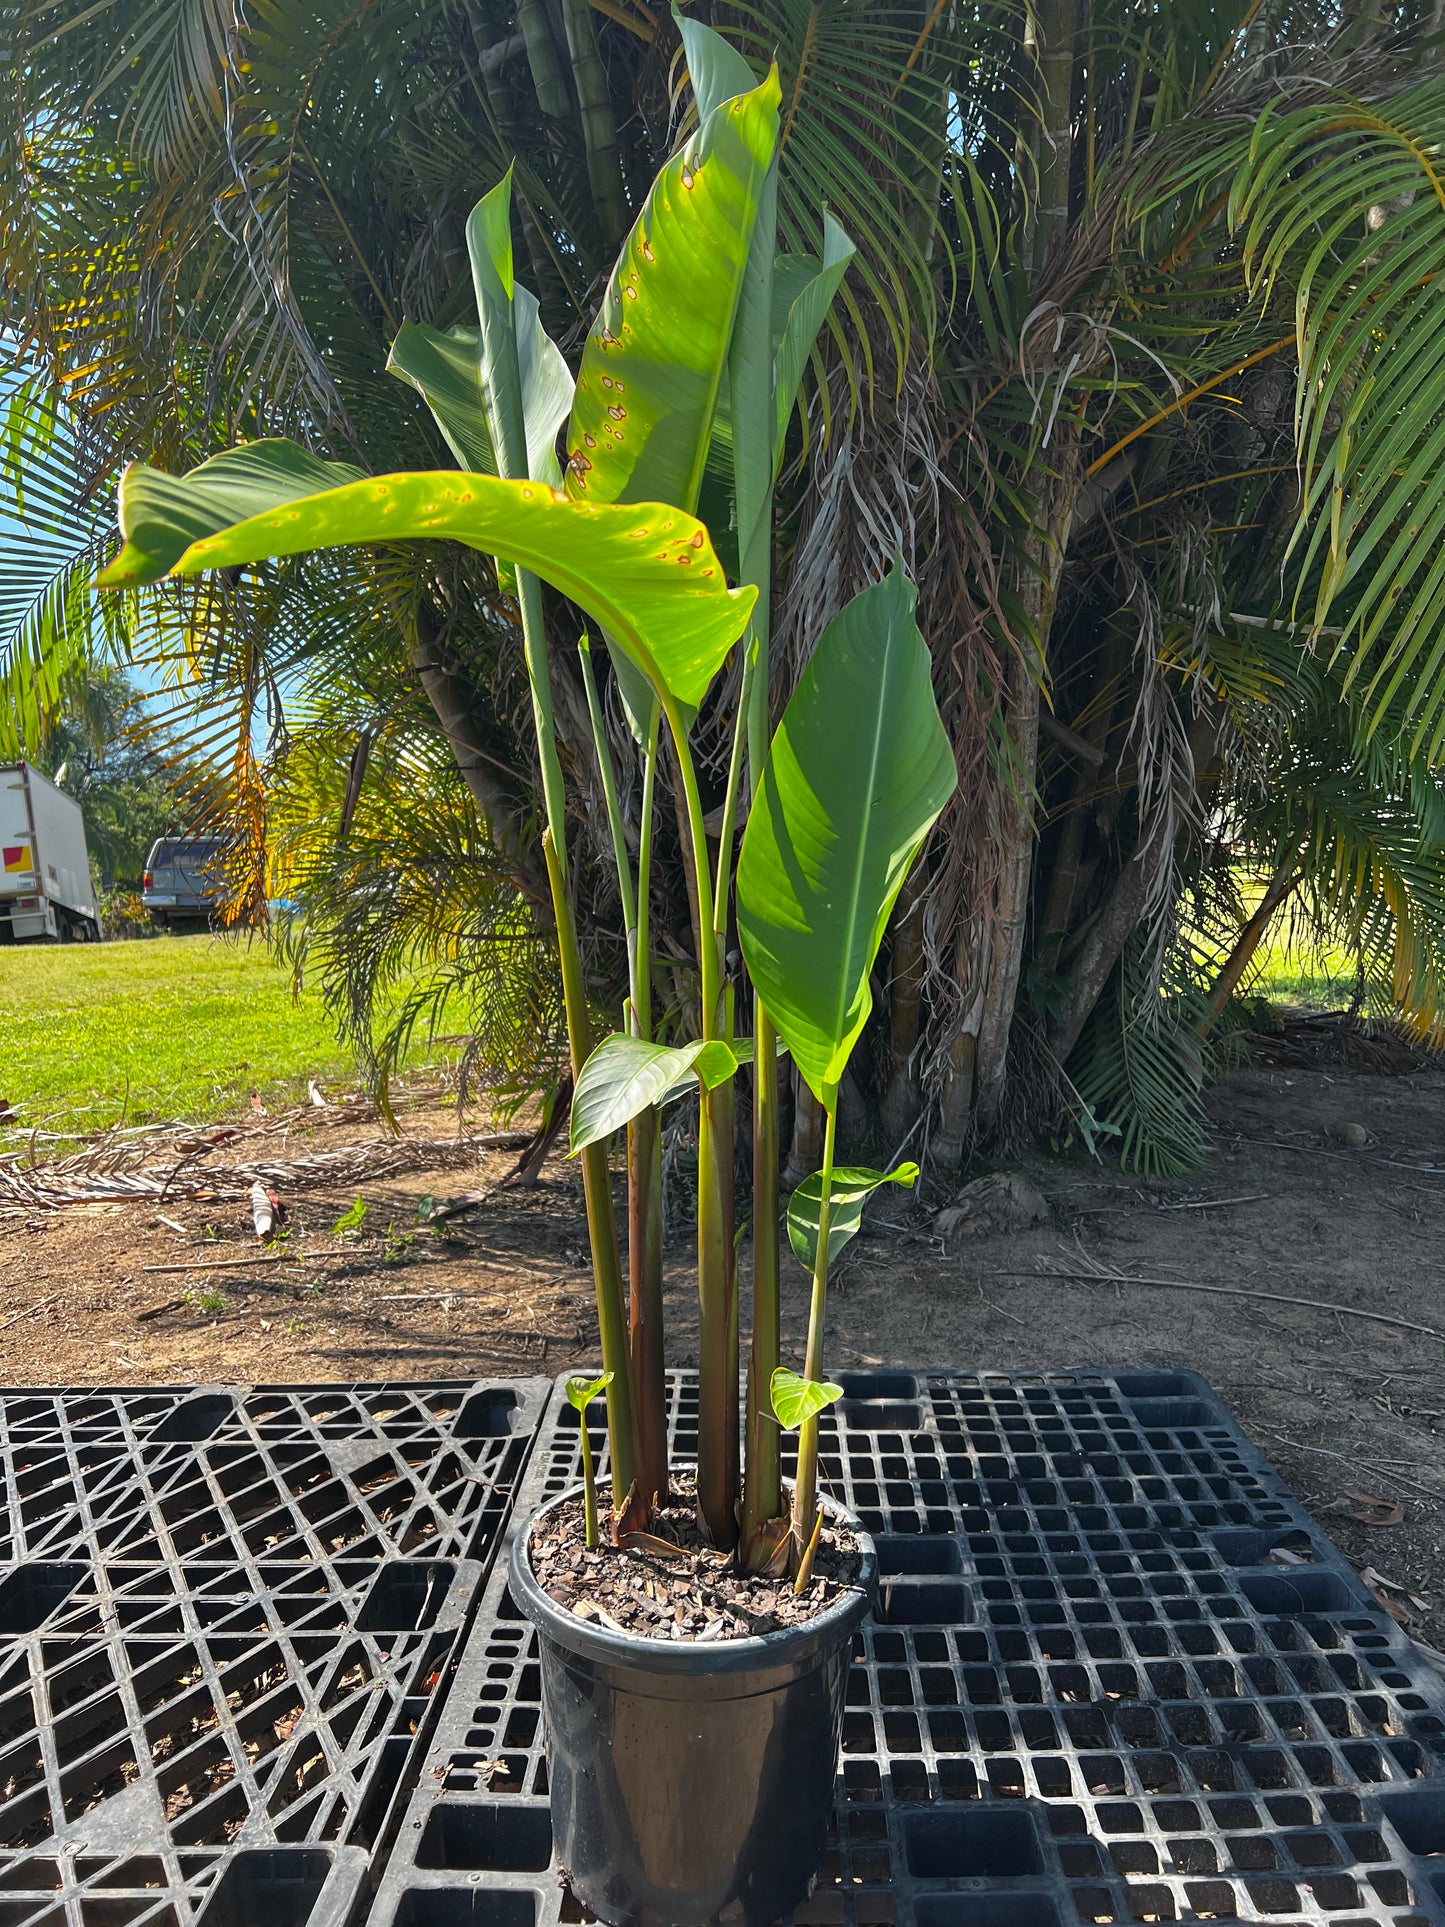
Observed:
{"x":1343,"y":1405}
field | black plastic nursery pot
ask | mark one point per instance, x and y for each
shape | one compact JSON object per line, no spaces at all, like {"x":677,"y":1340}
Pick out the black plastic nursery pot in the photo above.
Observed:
{"x":691,"y":1783}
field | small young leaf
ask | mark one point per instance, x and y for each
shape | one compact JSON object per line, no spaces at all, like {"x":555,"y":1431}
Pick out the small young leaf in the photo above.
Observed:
{"x":353,"y":1219}
{"x":625,"y":1076}
{"x":852,"y":1187}
{"x":796,"y":1398}
{"x":581,"y":1391}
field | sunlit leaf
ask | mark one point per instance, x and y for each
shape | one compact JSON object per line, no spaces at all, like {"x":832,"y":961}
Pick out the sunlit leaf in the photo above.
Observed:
{"x":625,"y":1076}
{"x":648,"y":574}
{"x":581,"y":1390}
{"x":797,"y":1399}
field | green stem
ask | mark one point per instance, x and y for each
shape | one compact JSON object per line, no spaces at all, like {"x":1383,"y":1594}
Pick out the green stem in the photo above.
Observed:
{"x":805,"y":1494}
{"x":709,"y":949}
{"x":589,"y":1488}
{"x":644,"y":1136}
{"x":763,"y":1489}
{"x":730,"y":804}
{"x":614,"y":811}
{"x":642,"y":983}
{"x":597,"y":1188}
{"x":717,"y":1444}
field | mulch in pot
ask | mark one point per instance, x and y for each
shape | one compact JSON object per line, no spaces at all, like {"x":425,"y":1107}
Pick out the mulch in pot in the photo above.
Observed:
{"x":671,"y":1584}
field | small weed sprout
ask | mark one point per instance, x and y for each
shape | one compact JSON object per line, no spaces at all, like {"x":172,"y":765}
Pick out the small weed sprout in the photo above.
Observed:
{"x":351,"y":1220}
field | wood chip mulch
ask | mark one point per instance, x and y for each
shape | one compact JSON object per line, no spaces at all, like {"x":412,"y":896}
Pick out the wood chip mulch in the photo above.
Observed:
{"x":692,"y":1592}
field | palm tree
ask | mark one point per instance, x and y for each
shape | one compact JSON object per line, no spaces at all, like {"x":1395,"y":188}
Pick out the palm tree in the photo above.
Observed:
{"x":1137,"y":370}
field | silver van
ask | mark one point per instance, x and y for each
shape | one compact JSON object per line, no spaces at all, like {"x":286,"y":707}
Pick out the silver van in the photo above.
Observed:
{"x":181,"y":882}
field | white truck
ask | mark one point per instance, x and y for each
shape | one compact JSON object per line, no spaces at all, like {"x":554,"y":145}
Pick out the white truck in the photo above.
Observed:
{"x":45,"y":888}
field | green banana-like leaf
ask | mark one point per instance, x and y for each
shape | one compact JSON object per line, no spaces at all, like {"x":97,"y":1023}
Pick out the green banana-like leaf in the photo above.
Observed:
{"x":165,"y":514}
{"x":851,"y":1189}
{"x":806,"y":314}
{"x":716,"y":69}
{"x":445,"y":371}
{"x":797,"y":1399}
{"x":859,"y":771}
{"x":648,"y":386}
{"x":743,"y":1050}
{"x":639,"y":699}
{"x":581,"y":1390}
{"x":646,"y":573}
{"x":625,"y":1076}
{"x":525,"y":382}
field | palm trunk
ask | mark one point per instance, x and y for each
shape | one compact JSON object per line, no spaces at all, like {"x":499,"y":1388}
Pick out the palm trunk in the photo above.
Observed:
{"x":599,"y":126}
{"x":1100,"y":949}
{"x":1049,"y":36}
{"x":454,"y":706}
{"x":808,"y":1129}
{"x":1227,"y":982}
{"x":905,"y":1006}
{"x":548,"y":82}
{"x":1016,"y":839}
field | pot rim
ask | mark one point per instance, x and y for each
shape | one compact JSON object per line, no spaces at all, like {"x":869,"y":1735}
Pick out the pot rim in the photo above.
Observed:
{"x":782,"y":1647}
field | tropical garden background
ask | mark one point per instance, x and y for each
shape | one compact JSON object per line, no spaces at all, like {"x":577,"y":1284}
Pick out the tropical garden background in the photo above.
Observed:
{"x":1137,"y":367}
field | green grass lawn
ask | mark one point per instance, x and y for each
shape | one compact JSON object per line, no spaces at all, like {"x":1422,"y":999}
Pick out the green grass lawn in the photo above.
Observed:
{"x":176,"y":1027}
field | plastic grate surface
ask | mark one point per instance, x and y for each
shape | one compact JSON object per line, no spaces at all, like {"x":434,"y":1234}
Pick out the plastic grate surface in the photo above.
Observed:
{"x":226,"y":1617}
{"x":1116,"y":1675}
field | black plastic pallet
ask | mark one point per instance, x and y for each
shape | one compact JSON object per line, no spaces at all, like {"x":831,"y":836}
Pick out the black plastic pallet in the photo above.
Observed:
{"x":227,"y":1617}
{"x":1099,"y":1688}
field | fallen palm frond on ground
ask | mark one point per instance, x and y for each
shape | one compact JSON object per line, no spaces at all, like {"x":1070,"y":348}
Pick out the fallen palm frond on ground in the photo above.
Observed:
{"x":160,"y":1162}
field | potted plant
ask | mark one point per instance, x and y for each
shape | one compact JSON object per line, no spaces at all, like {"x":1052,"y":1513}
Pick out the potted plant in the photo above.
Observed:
{"x":692,"y":1761}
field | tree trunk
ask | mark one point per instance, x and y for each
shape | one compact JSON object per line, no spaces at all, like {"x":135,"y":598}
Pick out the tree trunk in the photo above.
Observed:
{"x":599,"y":126}
{"x":905,"y":1007}
{"x":1100,"y":948}
{"x":809,"y":1118}
{"x":454,"y":703}
{"x":548,"y":82}
{"x":1027,"y":667}
{"x":1228,"y":980}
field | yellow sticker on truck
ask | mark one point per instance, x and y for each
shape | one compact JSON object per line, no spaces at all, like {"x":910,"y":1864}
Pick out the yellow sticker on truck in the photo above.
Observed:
{"x":15,"y":857}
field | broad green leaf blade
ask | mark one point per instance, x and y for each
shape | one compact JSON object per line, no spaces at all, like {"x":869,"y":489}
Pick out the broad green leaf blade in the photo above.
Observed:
{"x":625,"y":1076}
{"x":796,"y":1399}
{"x":648,"y":385}
{"x":859,"y":771}
{"x":853,"y":1185}
{"x":165,"y":514}
{"x":547,"y":389}
{"x":806,"y":316}
{"x":525,"y":382}
{"x":716,"y":69}
{"x":742,"y":1049}
{"x":489,"y":244}
{"x":647,"y":574}
{"x":581,"y":1391}
{"x":446,"y":372}
{"x":639,"y":699}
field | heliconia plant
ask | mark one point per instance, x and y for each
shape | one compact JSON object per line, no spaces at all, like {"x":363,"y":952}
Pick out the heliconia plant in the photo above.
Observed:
{"x":834,"y":806}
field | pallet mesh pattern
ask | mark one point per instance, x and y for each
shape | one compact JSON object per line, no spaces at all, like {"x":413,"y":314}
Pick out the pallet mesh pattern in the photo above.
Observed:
{"x":227,"y":1621}
{"x":1116,"y":1675}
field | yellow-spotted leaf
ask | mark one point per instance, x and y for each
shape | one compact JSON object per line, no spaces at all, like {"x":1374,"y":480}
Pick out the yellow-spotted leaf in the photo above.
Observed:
{"x":648,"y":386}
